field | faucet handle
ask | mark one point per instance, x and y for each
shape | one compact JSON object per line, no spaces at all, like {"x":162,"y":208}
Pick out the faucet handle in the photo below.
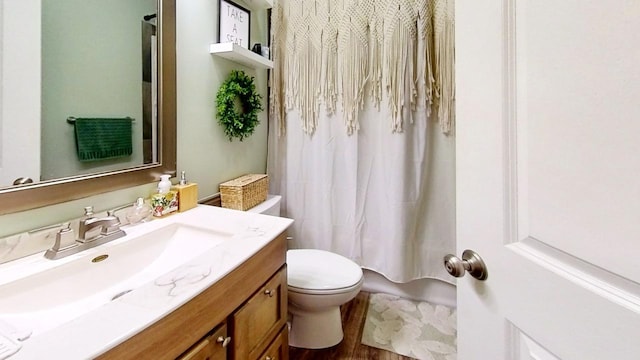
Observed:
{"x":113,"y":224}
{"x":88,"y":211}
{"x":64,"y":237}
{"x":65,"y":228}
{"x":65,"y":243}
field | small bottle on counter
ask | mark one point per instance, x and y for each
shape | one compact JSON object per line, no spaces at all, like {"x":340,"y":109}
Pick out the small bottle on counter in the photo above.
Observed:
{"x":165,"y":200}
{"x":139,"y":212}
{"x":187,"y":194}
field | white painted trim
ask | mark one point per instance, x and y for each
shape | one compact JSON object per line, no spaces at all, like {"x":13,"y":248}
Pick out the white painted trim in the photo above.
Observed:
{"x":529,"y":349}
{"x":608,"y":285}
{"x":510,"y":128}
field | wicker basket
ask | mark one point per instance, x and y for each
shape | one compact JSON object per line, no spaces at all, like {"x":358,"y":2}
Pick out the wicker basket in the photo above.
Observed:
{"x":244,"y":192}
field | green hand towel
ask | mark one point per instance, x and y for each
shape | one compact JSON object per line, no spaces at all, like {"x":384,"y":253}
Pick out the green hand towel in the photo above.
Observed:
{"x":101,"y":138}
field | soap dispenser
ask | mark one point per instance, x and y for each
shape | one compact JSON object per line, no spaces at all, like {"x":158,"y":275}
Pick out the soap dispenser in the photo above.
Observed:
{"x":187,"y":194}
{"x":165,"y":184}
{"x":165,"y":200}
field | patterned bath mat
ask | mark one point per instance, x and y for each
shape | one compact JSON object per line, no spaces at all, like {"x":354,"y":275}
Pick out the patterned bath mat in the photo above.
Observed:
{"x":410,"y":328}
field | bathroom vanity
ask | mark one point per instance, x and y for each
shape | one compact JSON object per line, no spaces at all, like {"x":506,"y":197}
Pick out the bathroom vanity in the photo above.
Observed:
{"x":209,"y":283}
{"x":242,"y":316}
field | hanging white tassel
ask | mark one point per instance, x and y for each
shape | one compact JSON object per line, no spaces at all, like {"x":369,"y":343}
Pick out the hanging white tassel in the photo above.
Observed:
{"x":353,"y":47}
{"x":424,"y":58}
{"x":444,"y":63}
{"x":276,"y":97}
{"x":376,"y":12}
{"x":399,"y":57}
{"x":329,"y":15}
{"x":292,"y":71}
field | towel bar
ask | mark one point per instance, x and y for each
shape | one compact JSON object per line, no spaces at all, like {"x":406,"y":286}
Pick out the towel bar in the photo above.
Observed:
{"x":72,"y":119}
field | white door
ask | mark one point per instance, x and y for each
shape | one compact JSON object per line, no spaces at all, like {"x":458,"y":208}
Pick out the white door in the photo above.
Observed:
{"x":548,"y":178}
{"x":20,"y":90}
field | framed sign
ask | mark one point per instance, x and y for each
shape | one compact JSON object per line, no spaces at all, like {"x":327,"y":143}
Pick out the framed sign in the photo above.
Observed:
{"x":233,"y":24}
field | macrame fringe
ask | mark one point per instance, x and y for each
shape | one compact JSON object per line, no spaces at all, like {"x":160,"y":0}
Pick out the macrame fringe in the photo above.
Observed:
{"x":308,"y":95}
{"x":424,"y":76}
{"x":327,"y":51}
{"x":330,"y":14}
{"x":399,"y":55}
{"x":376,"y":39}
{"x":353,"y":64}
{"x":276,"y":98}
{"x":444,"y":62}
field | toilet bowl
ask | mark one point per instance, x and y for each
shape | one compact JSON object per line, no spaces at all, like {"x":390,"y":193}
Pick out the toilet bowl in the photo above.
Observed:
{"x":318,"y":283}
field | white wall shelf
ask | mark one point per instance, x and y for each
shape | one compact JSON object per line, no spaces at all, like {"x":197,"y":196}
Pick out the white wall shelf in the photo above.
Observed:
{"x":240,"y":55}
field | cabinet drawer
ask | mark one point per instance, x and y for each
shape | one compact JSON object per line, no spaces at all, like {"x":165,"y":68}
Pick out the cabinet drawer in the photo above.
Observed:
{"x":212,"y":347}
{"x":279,"y":348}
{"x":258,"y":321}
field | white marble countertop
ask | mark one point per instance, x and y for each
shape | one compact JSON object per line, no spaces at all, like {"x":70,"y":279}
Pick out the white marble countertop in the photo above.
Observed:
{"x":86,"y":330}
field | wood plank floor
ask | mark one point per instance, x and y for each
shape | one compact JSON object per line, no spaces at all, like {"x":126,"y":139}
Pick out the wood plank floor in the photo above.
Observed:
{"x":353,"y":317}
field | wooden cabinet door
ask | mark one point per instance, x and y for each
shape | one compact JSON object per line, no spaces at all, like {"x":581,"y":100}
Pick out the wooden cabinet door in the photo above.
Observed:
{"x":279,"y":348}
{"x":212,"y":347}
{"x":258,"y":321}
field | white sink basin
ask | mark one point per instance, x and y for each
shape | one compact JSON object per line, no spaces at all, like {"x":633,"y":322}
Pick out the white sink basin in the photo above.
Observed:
{"x":132,"y":282}
{"x":100,"y":275}
{"x":138,"y":260}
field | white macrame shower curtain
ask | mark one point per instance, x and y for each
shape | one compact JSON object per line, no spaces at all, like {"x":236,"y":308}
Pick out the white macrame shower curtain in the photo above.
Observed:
{"x":360,"y":145}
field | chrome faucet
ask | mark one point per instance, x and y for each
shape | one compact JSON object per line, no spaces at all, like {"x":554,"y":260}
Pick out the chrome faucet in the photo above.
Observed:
{"x":66,"y":245}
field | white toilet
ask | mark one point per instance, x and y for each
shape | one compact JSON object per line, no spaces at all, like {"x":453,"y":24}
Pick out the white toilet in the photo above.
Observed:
{"x":319,"y":282}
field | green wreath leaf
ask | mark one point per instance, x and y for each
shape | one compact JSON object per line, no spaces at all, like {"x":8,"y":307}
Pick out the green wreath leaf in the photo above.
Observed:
{"x":238,"y":124}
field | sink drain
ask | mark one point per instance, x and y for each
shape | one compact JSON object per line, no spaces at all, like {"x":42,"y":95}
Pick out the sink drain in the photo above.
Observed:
{"x":120,"y":294}
{"x":99,"y":258}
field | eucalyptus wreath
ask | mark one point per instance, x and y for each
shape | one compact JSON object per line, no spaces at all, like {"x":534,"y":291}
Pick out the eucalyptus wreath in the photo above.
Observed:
{"x":238,"y":88}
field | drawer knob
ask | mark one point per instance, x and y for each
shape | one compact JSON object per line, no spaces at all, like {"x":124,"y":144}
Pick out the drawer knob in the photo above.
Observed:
{"x":268,"y":357}
{"x":223,"y":340}
{"x":269,"y":292}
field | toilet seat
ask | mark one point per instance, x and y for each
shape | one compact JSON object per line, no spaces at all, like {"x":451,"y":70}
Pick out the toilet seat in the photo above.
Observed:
{"x":320,"y":272}
{"x":326,"y":291}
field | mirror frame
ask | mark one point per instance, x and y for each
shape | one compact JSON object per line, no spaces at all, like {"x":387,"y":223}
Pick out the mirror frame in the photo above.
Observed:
{"x":31,"y":196}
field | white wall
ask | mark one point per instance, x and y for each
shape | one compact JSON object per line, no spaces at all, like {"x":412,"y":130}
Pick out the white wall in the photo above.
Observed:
{"x":203,"y":151}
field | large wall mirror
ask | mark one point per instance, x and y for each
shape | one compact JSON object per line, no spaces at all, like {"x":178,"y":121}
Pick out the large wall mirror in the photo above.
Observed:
{"x":65,"y":60}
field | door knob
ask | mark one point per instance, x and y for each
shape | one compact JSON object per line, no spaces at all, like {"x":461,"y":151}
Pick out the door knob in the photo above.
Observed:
{"x":471,"y":262}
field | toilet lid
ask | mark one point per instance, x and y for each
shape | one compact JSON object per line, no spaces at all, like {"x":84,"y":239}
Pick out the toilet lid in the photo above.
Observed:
{"x":320,"y":270}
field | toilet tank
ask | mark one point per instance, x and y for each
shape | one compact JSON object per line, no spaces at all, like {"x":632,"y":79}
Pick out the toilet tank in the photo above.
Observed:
{"x":271,"y":206}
